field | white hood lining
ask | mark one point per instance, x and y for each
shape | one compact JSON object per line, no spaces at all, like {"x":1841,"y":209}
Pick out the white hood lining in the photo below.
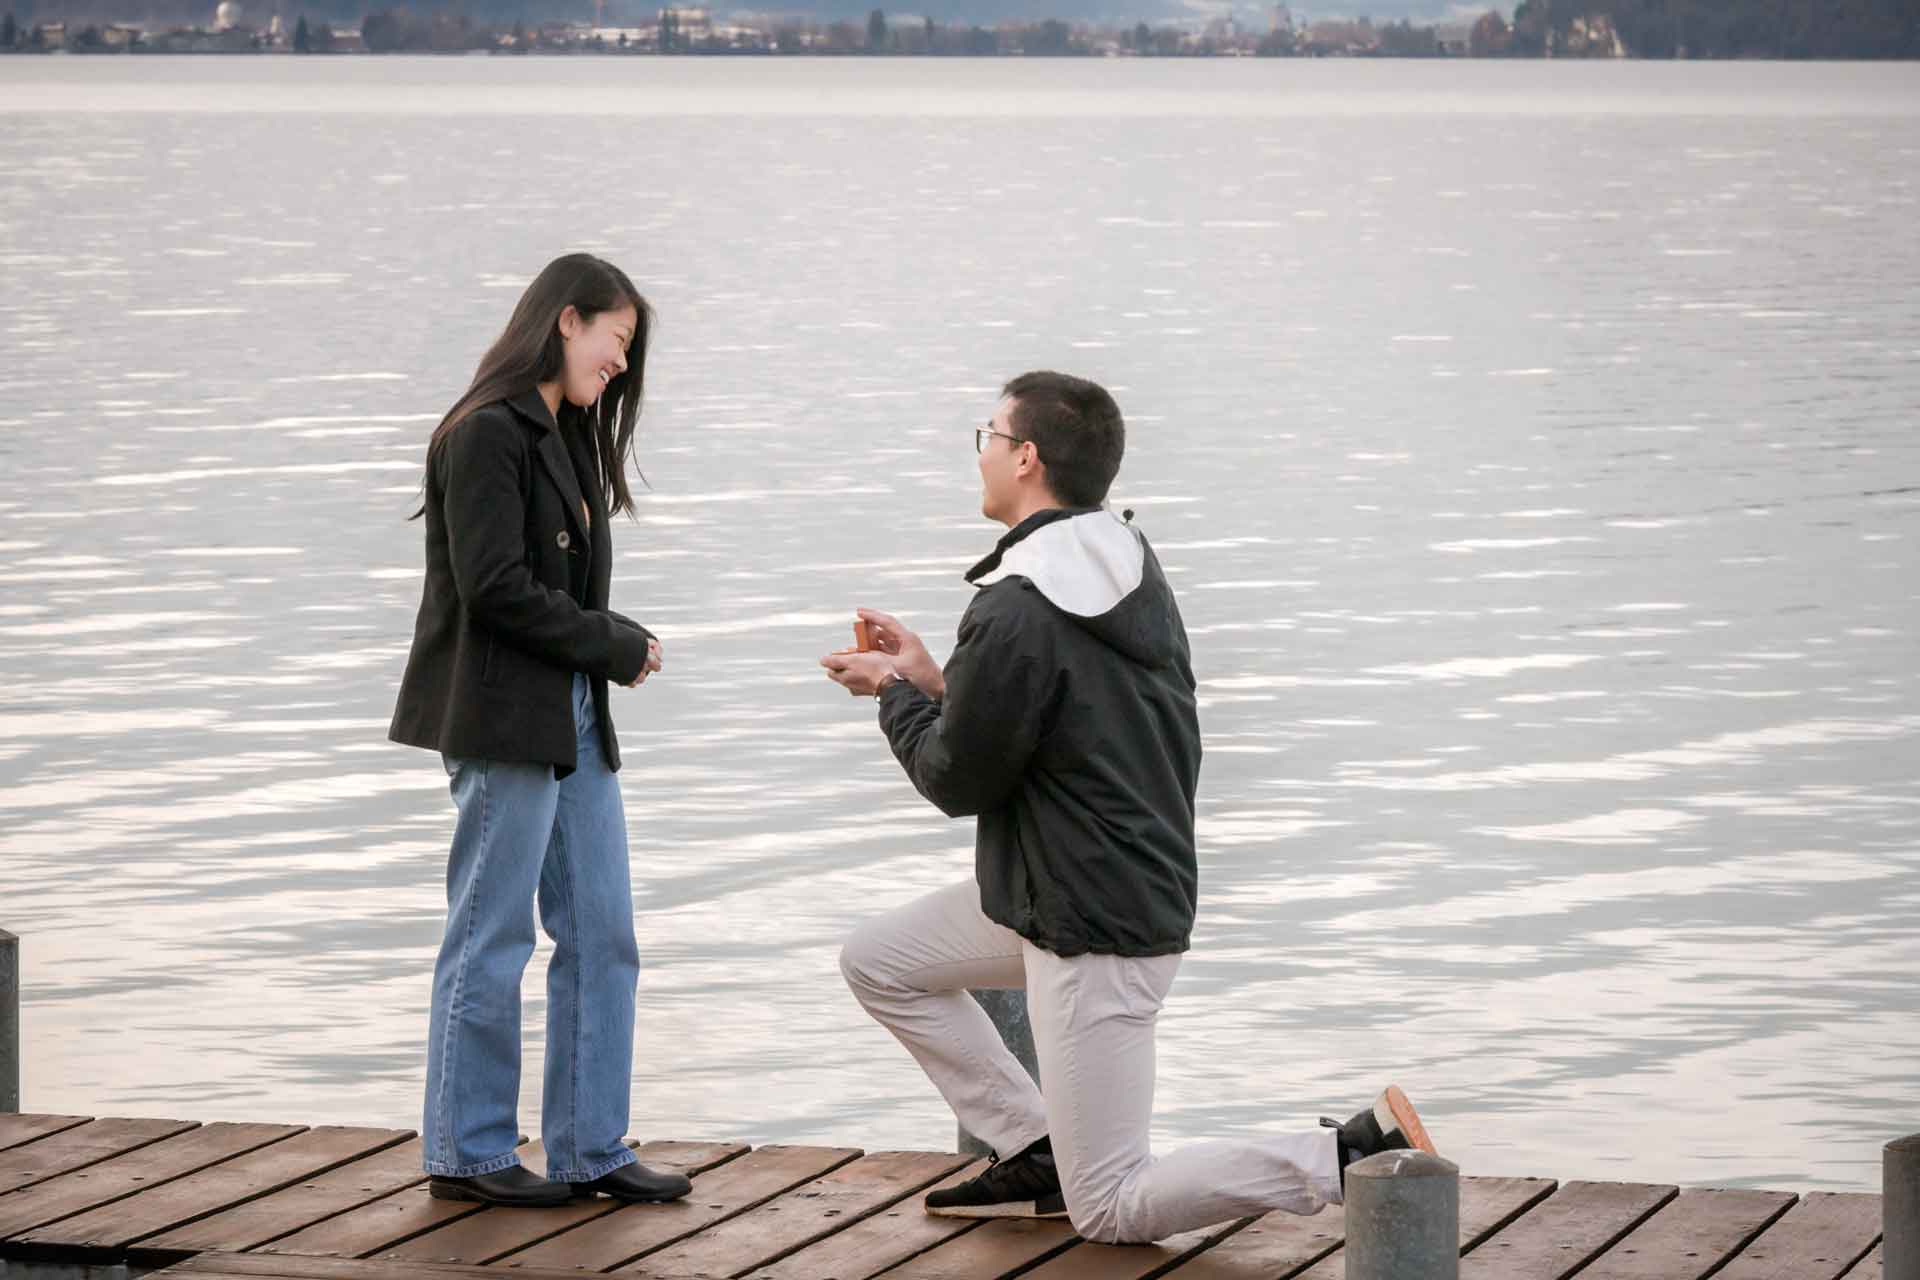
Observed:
{"x":1085,"y":565}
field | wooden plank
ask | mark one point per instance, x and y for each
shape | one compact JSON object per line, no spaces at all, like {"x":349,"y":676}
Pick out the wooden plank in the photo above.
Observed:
{"x":1090,"y":1261}
{"x":1690,"y":1236}
{"x":1282,"y":1244}
{"x":371,"y":1228}
{"x":631,"y":1231}
{"x":1486,"y":1205}
{"x":1489,"y":1204}
{"x":1817,"y":1239}
{"x":874,"y":1243}
{"x":250,"y":1225}
{"x":1870,"y":1267}
{"x":80,"y":1146}
{"x":381,"y":1224}
{"x":18,"y":1129}
{"x":996,"y":1248}
{"x":1274,"y":1245}
{"x":494,"y":1233}
{"x":136,"y":1171}
{"x":228,"y":1266}
{"x":1564,"y":1232}
{"x":200,"y":1195}
{"x":802,"y":1216}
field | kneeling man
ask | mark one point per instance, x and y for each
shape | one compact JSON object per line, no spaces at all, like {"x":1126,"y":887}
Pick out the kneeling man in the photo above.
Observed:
{"x":1065,"y":724}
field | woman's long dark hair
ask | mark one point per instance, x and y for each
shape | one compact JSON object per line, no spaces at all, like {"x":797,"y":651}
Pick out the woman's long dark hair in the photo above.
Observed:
{"x":531,"y":352}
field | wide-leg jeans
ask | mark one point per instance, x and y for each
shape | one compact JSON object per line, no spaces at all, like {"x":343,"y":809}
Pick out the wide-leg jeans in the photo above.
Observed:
{"x":520,"y":834}
{"x":1093,"y":1020}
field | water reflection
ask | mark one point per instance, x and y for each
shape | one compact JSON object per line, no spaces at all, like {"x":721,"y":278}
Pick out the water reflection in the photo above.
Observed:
{"x":1544,"y":538}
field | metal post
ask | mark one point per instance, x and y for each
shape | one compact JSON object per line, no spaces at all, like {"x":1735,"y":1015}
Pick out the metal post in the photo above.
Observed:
{"x":1900,"y":1209}
{"x":9,"y":1022}
{"x":1403,"y":1217}
{"x":1008,"y":1009}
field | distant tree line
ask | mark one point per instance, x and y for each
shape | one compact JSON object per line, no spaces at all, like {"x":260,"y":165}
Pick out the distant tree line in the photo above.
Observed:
{"x":399,"y":31}
{"x":1710,"y":28}
{"x":1538,"y":28}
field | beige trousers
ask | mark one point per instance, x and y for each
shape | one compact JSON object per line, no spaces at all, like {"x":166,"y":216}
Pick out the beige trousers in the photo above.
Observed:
{"x":1093,"y":1018}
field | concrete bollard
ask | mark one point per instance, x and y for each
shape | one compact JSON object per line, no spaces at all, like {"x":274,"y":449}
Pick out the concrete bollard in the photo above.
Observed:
{"x":9,"y":1022}
{"x":1900,"y":1209}
{"x":1403,"y":1217}
{"x":1008,"y":1009}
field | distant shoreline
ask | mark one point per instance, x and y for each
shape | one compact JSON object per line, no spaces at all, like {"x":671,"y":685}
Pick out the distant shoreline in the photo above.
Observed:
{"x":1660,"y":30}
{"x":170,"y":50}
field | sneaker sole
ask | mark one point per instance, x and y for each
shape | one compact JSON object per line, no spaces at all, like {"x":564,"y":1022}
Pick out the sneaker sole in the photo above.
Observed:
{"x":1006,"y":1209}
{"x":1402,"y":1117}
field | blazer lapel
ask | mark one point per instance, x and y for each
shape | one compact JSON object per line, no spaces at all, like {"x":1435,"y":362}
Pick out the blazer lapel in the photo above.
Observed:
{"x":553,"y":456}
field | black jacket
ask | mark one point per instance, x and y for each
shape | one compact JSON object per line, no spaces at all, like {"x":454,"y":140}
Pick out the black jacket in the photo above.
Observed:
{"x":1069,"y":727}
{"x":516,"y":595}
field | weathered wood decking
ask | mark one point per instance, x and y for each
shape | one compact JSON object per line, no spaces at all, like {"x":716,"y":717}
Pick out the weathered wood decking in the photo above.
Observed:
{"x":336,"y":1203}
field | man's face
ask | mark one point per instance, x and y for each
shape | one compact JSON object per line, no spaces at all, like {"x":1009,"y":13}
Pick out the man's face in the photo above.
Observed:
{"x":999,"y":466}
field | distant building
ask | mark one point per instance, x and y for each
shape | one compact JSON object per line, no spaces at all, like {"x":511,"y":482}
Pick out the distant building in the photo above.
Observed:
{"x":193,"y":40}
{"x":736,"y":36}
{"x":1342,"y":38}
{"x":693,"y":25}
{"x":627,"y":37}
{"x":1591,"y":37}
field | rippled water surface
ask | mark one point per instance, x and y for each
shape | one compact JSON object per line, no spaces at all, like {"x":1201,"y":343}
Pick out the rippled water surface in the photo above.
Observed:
{"x":1533,"y":449}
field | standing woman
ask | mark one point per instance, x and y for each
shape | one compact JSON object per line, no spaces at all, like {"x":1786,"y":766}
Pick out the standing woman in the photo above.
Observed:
{"x":512,"y":653}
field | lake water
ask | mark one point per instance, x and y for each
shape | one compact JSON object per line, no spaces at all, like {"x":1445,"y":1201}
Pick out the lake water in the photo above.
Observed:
{"x":1532,"y":447}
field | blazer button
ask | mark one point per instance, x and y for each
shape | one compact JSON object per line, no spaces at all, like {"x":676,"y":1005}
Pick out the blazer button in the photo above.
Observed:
{"x":562,"y":540}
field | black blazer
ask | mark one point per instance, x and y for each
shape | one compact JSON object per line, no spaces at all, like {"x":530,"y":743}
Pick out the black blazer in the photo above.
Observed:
{"x":500,"y":634}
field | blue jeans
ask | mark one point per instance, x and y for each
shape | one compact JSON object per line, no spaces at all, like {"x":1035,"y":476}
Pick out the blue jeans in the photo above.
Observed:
{"x":519,"y":832}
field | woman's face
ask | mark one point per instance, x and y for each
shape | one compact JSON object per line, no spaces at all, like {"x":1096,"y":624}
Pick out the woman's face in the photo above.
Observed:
{"x":596,"y":351}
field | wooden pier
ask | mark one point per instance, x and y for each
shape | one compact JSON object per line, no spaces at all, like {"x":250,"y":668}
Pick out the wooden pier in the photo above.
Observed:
{"x":285,"y":1202}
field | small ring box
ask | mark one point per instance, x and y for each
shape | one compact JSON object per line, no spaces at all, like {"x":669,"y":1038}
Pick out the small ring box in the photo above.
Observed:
{"x":862,"y":638}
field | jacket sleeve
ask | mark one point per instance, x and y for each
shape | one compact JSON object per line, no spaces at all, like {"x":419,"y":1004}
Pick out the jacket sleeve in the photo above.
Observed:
{"x":625,"y":621}
{"x":480,"y":467}
{"x":966,"y":753}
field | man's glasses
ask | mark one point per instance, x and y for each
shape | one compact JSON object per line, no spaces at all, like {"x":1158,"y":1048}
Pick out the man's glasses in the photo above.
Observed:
{"x":981,"y":435}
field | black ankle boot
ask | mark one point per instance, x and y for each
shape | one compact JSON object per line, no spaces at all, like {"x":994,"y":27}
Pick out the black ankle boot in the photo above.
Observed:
{"x":636,"y":1184}
{"x":515,"y":1186}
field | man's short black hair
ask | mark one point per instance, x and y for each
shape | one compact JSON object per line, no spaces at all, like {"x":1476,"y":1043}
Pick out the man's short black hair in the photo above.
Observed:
{"x":1076,"y":426}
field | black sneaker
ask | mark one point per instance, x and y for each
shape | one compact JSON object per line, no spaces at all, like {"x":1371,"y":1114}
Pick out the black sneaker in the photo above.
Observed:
{"x":1390,"y":1124}
{"x":1022,"y":1186}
